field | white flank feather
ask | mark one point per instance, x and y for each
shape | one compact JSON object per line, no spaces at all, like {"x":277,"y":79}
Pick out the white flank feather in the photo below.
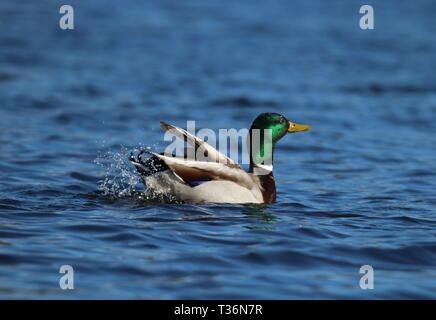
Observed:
{"x":212,"y":170}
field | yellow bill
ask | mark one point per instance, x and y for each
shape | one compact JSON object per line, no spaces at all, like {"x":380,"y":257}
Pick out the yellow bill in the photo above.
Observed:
{"x":295,"y":127}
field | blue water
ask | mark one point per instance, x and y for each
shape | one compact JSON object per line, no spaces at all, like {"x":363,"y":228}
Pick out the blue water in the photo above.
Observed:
{"x":359,"y":189}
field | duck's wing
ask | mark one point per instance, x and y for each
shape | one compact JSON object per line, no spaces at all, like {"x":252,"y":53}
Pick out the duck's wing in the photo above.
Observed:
{"x":191,"y":170}
{"x":212,"y":154}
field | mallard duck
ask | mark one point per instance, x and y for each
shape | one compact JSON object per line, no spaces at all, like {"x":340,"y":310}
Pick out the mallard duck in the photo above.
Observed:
{"x":219,"y":179}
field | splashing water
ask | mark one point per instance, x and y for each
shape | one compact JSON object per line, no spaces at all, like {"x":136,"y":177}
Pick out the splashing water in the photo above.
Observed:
{"x":121,"y":178}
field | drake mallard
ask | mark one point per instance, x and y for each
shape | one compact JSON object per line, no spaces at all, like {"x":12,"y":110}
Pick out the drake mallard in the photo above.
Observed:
{"x":220,"y":179}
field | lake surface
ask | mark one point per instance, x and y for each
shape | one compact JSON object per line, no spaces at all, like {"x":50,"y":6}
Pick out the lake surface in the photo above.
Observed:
{"x":359,"y":189}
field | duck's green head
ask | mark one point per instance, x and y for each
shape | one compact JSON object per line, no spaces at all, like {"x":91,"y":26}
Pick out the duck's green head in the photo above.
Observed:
{"x":276,"y":126}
